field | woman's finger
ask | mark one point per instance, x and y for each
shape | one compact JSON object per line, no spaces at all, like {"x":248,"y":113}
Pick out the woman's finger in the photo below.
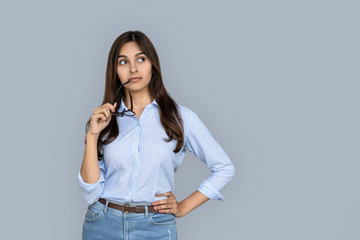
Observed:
{"x":106,"y":106}
{"x":110,"y":106}
{"x":160,"y":202}
{"x":99,"y":110}
{"x":105,"y":111}
{"x":166,"y":211}
{"x":100,"y":116}
{"x":163,"y":206}
{"x":165,"y":194}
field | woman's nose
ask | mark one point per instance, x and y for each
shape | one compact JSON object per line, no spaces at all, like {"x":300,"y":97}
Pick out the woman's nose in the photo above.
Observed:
{"x":133,"y":69}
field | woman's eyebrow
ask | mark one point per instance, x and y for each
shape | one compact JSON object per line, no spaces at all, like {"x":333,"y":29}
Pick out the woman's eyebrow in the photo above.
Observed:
{"x":135,"y":55}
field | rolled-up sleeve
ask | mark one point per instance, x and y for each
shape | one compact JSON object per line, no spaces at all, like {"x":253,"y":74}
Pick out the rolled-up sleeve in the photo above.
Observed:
{"x":92,"y":191}
{"x":202,"y":144}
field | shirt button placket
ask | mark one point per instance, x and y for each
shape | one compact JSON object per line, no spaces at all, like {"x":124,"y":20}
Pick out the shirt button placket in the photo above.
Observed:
{"x":136,"y":152}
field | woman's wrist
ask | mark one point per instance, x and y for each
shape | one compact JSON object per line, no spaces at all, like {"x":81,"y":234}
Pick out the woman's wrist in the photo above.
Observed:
{"x":190,"y":203}
{"x":92,"y":136}
{"x":180,"y":210}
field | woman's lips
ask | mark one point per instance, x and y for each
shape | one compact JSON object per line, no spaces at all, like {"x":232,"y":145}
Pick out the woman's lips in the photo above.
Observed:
{"x":135,"y":79}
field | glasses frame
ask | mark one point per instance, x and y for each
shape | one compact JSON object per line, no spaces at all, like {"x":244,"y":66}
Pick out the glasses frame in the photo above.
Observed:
{"x":128,"y":112}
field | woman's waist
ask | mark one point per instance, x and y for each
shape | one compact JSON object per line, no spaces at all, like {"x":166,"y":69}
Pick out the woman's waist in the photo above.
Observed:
{"x":133,"y":198}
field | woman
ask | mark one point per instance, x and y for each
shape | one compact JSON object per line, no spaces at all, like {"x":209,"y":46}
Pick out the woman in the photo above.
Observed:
{"x":135,"y":142}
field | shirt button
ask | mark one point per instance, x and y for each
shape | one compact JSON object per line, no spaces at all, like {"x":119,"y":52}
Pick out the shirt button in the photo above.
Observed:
{"x":136,"y":139}
{"x":130,"y":193}
{"x":136,"y":156}
{"x":135,"y":175}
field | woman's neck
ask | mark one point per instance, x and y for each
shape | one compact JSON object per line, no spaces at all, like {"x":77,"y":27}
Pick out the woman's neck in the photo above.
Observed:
{"x":140,"y":100}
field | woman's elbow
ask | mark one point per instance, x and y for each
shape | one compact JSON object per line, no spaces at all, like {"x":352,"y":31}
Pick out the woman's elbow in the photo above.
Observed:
{"x":231,"y":171}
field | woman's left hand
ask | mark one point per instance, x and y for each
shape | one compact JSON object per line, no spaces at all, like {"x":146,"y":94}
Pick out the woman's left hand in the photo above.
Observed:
{"x":169,"y":205}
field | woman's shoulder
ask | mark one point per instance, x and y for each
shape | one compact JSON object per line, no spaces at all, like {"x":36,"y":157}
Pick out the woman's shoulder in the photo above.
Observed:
{"x":186,"y":113}
{"x":185,"y":110}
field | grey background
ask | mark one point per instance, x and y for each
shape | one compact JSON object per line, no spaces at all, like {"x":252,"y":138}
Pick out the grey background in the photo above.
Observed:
{"x":276,"y":82}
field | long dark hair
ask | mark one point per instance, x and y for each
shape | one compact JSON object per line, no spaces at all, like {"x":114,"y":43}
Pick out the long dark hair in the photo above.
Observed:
{"x":168,"y":109}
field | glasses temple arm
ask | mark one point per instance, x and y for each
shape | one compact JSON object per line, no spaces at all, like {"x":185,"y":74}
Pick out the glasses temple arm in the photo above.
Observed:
{"x":117,"y":92}
{"x":131,"y":101}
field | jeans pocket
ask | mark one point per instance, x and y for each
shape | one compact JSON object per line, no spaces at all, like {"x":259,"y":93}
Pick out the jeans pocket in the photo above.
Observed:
{"x":162,"y":218}
{"x":92,"y":214}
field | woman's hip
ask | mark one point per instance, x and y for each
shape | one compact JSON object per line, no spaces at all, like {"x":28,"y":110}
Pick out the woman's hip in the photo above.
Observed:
{"x":103,"y":222}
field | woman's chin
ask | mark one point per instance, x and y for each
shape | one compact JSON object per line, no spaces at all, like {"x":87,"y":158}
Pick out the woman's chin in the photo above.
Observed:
{"x":138,"y":88}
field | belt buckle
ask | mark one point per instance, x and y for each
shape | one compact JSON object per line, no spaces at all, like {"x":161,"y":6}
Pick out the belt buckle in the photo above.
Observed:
{"x":123,"y":207}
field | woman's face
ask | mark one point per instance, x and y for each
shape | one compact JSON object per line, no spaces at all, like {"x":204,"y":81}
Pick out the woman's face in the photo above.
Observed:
{"x":133,"y":64}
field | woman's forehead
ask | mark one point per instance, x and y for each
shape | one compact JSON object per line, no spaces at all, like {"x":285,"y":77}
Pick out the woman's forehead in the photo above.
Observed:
{"x":130,"y":49}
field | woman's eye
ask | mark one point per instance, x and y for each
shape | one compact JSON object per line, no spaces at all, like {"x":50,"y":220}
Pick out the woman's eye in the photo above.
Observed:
{"x":142,"y":59}
{"x":122,"y":62}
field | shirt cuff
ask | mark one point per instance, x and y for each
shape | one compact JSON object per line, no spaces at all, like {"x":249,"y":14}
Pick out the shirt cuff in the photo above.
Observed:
{"x":88,"y":187}
{"x":210,"y":191}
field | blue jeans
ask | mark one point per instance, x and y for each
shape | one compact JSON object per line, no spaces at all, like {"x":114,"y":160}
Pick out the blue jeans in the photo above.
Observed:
{"x":102,"y":222}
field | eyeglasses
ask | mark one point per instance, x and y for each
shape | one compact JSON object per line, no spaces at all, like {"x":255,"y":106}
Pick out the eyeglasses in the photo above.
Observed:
{"x":128,"y":112}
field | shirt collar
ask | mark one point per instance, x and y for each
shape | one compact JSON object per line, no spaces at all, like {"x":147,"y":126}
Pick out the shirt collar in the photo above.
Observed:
{"x":122,"y":105}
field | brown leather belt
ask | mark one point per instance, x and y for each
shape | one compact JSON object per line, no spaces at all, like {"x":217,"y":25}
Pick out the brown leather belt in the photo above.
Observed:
{"x":126,"y":208}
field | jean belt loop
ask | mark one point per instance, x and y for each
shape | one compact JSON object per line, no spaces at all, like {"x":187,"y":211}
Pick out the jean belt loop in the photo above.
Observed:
{"x":146,"y":211}
{"x":106,"y":206}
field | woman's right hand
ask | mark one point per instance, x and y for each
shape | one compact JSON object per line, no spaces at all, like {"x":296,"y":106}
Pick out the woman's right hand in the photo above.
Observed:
{"x":100,"y":118}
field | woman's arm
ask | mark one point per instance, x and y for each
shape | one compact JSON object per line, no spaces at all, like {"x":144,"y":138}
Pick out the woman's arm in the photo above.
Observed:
{"x":191,"y":202}
{"x":200,"y":141}
{"x":203,"y":145}
{"x":90,"y":170}
{"x":91,"y":175}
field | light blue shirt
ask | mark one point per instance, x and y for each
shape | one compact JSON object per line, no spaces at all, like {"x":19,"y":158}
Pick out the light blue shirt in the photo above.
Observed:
{"x":139,"y":164}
